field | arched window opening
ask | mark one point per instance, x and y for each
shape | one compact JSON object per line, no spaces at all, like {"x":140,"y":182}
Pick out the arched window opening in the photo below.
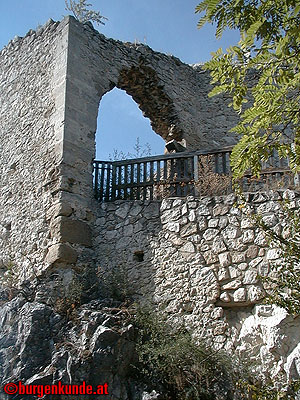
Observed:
{"x":122,"y":130}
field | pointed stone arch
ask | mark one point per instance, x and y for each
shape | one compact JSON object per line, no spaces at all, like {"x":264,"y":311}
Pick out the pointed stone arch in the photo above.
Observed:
{"x":143,"y":84}
{"x":121,"y":125}
{"x":173,"y":95}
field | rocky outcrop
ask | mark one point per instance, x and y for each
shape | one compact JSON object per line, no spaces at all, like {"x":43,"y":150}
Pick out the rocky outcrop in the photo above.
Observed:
{"x":95,"y":344}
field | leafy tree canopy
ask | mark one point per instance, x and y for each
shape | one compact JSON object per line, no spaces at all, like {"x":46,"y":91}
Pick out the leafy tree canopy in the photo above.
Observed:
{"x":268,"y":52}
{"x":82,"y":13}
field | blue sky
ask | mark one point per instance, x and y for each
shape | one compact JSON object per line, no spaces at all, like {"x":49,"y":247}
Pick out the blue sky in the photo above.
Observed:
{"x":168,"y":26}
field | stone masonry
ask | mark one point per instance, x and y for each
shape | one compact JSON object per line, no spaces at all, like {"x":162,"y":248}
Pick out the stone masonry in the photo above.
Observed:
{"x":200,"y":261}
{"x":197,"y":259}
{"x":51,"y":83}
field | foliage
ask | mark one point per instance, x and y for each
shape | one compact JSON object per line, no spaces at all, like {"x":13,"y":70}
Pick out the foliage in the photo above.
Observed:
{"x":285,"y":291}
{"x":169,"y":357}
{"x":209,"y":182}
{"x":138,"y":152}
{"x":115,"y":283}
{"x":71,"y":300}
{"x":269,"y":53}
{"x":252,"y":389}
{"x":80,"y":10}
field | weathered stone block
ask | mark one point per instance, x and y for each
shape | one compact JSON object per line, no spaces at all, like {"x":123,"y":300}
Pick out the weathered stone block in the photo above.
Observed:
{"x":243,"y":266}
{"x":71,"y":230}
{"x":166,"y":204}
{"x":151,"y":211}
{"x":188,"y":248}
{"x":235,"y":284}
{"x":218,"y":245}
{"x":210,"y":234}
{"x":213,"y":223}
{"x":122,"y":210}
{"x":170,"y":215}
{"x":135,"y":210}
{"x":220,"y":209}
{"x":128,"y":230}
{"x":173,"y":226}
{"x":240,"y":295}
{"x":252,"y":251}
{"x":223,"y":274}
{"x":270,"y":220}
{"x":188,"y":230}
{"x":225,"y":297}
{"x":246,"y":223}
{"x":61,"y":253}
{"x":184,"y":209}
{"x":202,"y":210}
{"x":223,"y":222}
{"x":217,"y":312}
{"x":237,"y":257}
{"x":224,"y":259}
{"x":210,"y":257}
{"x":110,"y":235}
{"x":202,"y":223}
{"x":231,"y":232}
{"x":250,"y":277}
{"x":60,"y":209}
{"x":192,"y":215}
{"x":255,"y":293}
{"x":273,"y":254}
{"x":234,"y":272}
{"x":248,"y":236}
{"x":260,"y":240}
{"x":220,"y":328}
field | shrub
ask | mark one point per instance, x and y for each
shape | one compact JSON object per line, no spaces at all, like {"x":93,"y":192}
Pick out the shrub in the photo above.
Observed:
{"x":115,"y":283}
{"x":170,"y":358}
{"x":68,"y":303}
{"x":82,"y":13}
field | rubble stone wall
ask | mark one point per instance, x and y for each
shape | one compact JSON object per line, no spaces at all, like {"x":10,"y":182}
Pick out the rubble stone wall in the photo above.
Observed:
{"x":51,"y":83}
{"x":31,"y":107}
{"x":172,"y":94}
{"x":200,"y":261}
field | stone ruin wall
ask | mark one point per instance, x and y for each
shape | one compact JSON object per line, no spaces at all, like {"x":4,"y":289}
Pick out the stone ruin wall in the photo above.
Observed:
{"x":29,"y":82}
{"x":52,"y":81}
{"x":201,"y":257}
{"x":200,"y":261}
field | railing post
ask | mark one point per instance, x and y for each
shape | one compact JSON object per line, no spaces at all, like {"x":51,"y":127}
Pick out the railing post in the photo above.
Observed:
{"x":113,"y":183}
{"x":96,"y":169}
{"x":196,"y":170}
{"x":108,"y":189}
{"x":196,"y":173}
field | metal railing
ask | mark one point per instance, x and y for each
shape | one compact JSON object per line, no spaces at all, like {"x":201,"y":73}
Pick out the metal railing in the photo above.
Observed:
{"x":178,"y":174}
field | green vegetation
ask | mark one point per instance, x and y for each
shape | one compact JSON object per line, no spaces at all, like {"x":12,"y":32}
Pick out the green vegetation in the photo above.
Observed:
{"x":116,"y":284}
{"x":261,"y":74}
{"x":285,"y":279}
{"x":81,"y":12}
{"x":170,"y":358}
{"x":269,"y":52}
{"x":71,"y":299}
{"x":172,"y":361}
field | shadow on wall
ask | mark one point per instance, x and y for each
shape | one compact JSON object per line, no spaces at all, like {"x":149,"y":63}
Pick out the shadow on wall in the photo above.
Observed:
{"x":126,"y":237}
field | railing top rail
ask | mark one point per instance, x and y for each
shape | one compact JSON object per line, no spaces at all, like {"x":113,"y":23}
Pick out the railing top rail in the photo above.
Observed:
{"x":184,"y":154}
